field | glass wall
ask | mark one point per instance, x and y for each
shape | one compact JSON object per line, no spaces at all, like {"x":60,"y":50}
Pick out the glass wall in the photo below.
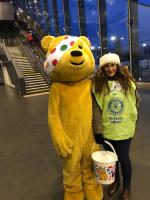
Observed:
{"x":38,"y":13}
{"x":44,"y":15}
{"x":61,"y":19}
{"x":144,"y":2}
{"x":30,"y":8}
{"x":117,"y":28}
{"x":144,"y":40}
{"x":74,"y":15}
{"x":92,"y":26}
{"x":51,"y":18}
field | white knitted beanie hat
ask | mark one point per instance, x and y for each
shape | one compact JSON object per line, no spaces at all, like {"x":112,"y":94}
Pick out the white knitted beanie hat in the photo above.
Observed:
{"x":109,"y":58}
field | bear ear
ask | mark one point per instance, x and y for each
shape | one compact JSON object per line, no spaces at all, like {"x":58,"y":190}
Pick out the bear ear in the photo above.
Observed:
{"x":86,"y":40}
{"x":45,"y":42}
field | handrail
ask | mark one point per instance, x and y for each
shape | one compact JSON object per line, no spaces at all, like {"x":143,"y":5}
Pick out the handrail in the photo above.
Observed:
{"x":9,"y":57}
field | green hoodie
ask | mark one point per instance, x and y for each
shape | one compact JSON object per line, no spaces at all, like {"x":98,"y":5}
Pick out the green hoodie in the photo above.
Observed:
{"x":119,"y":112}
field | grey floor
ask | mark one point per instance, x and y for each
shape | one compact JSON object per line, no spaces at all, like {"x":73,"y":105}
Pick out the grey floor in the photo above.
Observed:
{"x":29,"y":167}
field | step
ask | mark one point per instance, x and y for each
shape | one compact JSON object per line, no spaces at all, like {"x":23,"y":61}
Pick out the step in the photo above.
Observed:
{"x":25,"y":65}
{"x":36,"y":84}
{"x":19,"y":58}
{"x":31,"y":73}
{"x":29,"y":69}
{"x":33,"y":79}
{"x":22,"y":62}
{"x":24,"y":59}
{"x":39,"y":86}
{"x":32,"y":76}
{"x":37,"y":89}
{"x":37,"y":92}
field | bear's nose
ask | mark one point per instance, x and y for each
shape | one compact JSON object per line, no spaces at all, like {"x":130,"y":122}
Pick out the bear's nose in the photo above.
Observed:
{"x":76,"y":53}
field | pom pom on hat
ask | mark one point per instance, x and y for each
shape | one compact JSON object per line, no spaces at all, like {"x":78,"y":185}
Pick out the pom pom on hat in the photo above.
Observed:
{"x":109,"y":58}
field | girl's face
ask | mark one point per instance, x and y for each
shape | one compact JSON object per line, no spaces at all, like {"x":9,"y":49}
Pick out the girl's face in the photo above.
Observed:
{"x":110,"y":69}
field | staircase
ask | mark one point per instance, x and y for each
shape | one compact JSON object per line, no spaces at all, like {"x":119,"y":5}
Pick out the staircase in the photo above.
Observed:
{"x":34,"y":80}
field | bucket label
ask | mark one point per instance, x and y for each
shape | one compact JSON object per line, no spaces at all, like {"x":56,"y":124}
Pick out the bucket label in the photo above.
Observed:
{"x":104,"y":173}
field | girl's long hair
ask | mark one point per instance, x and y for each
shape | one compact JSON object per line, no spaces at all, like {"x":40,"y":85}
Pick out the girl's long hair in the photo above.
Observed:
{"x":123,"y":76}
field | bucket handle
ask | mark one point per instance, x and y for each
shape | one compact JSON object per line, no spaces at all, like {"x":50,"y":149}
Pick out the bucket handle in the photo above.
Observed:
{"x":110,"y":146}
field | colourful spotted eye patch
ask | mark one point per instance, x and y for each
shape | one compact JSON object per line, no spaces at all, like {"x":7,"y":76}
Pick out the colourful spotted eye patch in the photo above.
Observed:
{"x":56,"y":53}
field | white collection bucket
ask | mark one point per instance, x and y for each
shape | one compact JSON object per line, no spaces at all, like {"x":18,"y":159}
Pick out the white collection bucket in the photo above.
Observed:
{"x":105,"y":165}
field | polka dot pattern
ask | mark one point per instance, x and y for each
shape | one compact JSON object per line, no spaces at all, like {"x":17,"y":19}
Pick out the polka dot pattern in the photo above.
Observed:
{"x":71,"y":43}
{"x":63,"y":47}
{"x":66,"y":37}
{"x":56,"y":53}
{"x":55,"y":61}
{"x":53,"y":50}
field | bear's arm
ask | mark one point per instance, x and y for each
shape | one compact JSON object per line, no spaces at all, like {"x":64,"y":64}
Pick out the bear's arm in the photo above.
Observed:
{"x":62,"y":143}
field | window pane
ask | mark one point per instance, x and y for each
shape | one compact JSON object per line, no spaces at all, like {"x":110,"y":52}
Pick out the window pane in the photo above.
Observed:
{"x":43,"y":12}
{"x":92,"y":25}
{"x":74,"y":15}
{"x":51,"y":18}
{"x":144,"y":42}
{"x":117,"y":27}
{"x":61,"y":17}
{"x":30,"y":8}
{"x":146,"y":2}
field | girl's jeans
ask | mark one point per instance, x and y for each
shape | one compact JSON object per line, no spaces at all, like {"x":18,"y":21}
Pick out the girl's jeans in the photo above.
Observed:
{"x":122,"y":149}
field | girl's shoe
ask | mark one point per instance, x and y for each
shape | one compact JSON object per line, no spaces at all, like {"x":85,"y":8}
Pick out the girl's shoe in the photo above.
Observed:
{"x":125,"y":195}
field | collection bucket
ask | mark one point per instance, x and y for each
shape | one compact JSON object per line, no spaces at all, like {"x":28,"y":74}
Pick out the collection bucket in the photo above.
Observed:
{"x":105,"y":165}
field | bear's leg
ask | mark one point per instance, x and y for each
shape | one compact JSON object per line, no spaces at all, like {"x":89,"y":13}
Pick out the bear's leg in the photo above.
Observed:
{"x":92,"y":190}
{"x":72,"y":176}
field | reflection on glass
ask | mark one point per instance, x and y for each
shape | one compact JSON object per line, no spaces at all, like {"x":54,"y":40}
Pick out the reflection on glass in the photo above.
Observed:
{"x":61,"y":17}
{"x":92,"y":25}
{"x":117,"y":27}
{"x":74,"y":15}
{"x":144,"y":2}
{"x":51,"y":18}
{"x":50,"y":15}
{"x":144,"y":41}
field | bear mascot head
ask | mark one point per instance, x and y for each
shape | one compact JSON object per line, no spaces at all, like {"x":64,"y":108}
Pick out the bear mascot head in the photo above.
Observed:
{"x":69,"y":58}
{"x":69,"y":62}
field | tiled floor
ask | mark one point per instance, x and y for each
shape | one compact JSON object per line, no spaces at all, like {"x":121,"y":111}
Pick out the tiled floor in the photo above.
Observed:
{"x":29,"y":167}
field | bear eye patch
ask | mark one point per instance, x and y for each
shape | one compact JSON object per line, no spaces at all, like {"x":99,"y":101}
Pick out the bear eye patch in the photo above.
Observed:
{"x":63,"y":47}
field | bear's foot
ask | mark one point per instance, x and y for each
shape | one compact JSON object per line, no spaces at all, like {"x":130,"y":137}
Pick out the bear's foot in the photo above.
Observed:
{"x":95,"y":193}
{"x":74,"y":195}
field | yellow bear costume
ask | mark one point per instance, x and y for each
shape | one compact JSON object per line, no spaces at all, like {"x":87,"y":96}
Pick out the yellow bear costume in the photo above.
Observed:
{"x":69,"y":63}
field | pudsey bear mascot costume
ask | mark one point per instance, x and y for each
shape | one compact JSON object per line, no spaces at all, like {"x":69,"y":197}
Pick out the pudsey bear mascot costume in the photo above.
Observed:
{"x":69,"y":63}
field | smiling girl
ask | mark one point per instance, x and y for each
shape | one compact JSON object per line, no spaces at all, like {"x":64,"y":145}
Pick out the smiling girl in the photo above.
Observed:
{"x":115,"y":114}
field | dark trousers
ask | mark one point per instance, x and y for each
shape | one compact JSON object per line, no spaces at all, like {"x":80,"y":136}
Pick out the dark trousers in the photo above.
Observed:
{"x":122,"y":149}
